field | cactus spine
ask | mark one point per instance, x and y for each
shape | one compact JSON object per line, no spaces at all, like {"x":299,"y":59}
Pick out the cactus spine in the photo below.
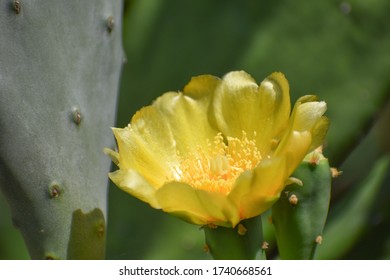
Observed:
{"x":60,"y":64}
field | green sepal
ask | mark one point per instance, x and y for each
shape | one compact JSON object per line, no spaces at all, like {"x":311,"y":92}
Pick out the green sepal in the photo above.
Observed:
{"x":299,"y":215}
{"x":234,"y":244}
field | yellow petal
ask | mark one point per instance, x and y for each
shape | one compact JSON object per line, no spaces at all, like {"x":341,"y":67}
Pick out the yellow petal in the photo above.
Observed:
{"x":186,"y":119}
{"x":147,"y":146}
{"x":241,"y":105}
{"x":202,"y":86}
{"x":112,"y":154}
{"x":234,"y":100}
{"x":131,"y":182}
{"x":293,"y":147}
{"x":307,"y":114}
{"x":318,"y":132}
{"x":255,"y":191}
{"x":197,"y":206}
{"x":293,"y":180}
{"x":174,"y":123}
{"x":275,"y":92}
{"x":305,"y":119}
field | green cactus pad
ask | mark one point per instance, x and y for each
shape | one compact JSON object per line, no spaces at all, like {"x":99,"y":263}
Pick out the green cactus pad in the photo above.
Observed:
{"x":60,"y":64}
{"x":299,"y":215}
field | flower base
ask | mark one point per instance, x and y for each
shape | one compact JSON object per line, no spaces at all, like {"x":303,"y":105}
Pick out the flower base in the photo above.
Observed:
{"x":240,"y":243}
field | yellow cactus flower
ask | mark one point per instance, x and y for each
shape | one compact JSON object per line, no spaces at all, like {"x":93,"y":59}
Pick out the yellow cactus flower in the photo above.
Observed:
{"x":219,"y":152}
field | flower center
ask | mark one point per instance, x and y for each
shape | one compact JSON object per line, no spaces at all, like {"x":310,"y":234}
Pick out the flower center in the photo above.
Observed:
{"x":217,"y":168}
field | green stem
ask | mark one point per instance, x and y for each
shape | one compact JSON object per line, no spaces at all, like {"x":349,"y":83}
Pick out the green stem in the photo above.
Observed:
{"x":240,"y":243}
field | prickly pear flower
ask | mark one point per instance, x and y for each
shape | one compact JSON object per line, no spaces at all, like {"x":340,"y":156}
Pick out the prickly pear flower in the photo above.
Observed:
{"x":220,"y":151}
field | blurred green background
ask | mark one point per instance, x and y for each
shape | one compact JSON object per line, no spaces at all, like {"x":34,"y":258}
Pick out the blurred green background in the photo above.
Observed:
{"x":338,"y":50}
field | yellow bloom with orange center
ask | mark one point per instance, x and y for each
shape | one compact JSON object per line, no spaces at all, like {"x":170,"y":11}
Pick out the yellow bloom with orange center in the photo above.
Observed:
{"x":219,"y":152}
